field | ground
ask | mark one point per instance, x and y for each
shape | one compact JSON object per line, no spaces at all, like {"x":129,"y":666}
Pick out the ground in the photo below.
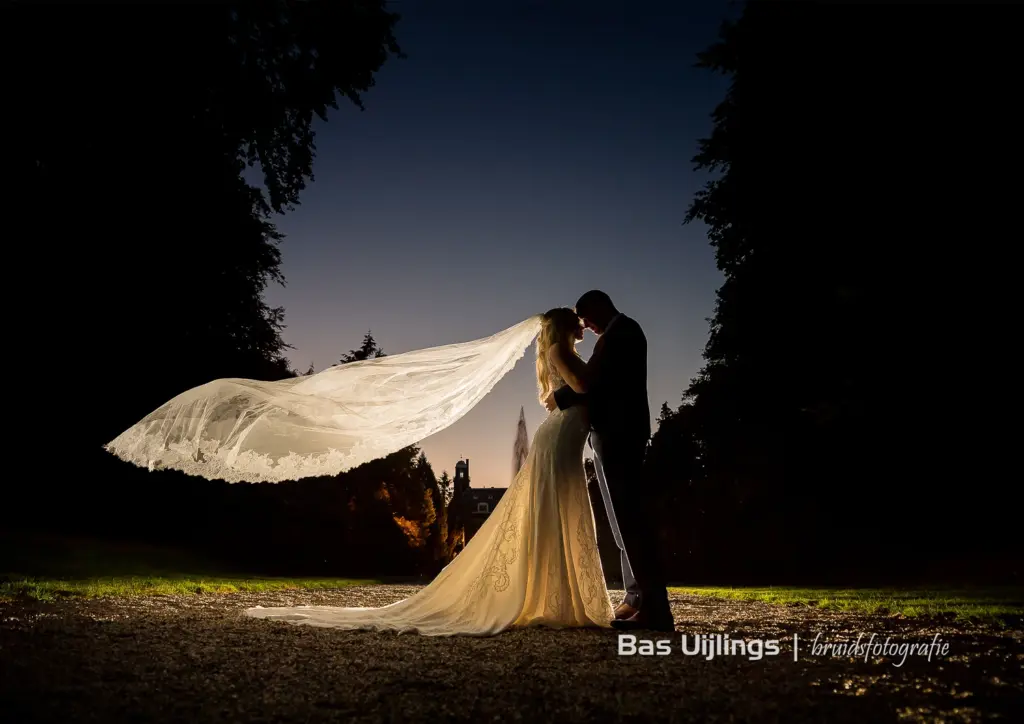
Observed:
{"x":194,"y":658}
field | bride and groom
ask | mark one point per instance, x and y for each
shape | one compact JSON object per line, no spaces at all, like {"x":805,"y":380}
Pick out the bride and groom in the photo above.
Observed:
{"x":534,"y":561}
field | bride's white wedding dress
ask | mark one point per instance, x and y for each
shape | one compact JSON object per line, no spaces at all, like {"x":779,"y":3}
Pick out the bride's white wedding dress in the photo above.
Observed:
{"x":534,"y":562}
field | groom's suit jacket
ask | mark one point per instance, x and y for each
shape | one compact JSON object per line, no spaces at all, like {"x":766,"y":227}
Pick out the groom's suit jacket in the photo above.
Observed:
{"x":617,"y":396}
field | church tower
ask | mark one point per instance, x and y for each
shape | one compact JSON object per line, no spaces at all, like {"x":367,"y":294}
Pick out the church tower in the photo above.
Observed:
{"x":461,"y":477}
{"x":521,"y":447}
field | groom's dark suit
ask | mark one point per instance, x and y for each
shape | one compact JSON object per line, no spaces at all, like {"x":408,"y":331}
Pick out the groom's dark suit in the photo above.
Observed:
{"x":620,"y":421}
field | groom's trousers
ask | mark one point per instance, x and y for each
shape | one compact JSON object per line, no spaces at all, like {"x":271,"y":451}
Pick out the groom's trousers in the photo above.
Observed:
{"x":619,"y":467}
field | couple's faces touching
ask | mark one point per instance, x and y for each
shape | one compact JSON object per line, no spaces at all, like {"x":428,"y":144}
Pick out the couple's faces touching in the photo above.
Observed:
{"x":586,"y":324}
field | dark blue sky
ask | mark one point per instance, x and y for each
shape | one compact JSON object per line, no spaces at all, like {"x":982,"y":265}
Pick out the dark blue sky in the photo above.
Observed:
{"x":523,"y":153}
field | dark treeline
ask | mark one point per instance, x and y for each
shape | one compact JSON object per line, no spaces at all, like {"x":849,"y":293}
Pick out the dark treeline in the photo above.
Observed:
{"x":833,"y":433}
{"x":139,"y":135}
{"x":825,"y":438}
{"x":153,"y":152}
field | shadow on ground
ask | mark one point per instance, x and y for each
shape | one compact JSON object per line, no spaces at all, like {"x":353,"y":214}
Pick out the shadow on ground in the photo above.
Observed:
{"x":196,"y":659}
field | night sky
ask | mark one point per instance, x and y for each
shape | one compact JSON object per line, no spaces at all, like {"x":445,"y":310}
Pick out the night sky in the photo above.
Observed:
{"x":523,"y":153}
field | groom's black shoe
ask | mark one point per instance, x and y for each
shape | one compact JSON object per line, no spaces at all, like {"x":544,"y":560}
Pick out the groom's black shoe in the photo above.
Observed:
{"x":642,"y":622}
{"x":625,"y":611}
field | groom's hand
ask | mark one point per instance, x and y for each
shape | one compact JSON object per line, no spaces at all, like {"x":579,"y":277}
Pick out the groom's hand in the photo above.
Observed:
{"x":549,"y":402}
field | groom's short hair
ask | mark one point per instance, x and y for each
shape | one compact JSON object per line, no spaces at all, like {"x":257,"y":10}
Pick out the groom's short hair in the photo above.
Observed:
{"x":592,"y":301}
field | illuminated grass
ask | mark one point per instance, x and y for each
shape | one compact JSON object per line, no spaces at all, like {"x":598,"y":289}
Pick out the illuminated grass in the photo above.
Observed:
{"x":964,"y":604}
{"x":51,"y":567}
{"x":127,"y":586}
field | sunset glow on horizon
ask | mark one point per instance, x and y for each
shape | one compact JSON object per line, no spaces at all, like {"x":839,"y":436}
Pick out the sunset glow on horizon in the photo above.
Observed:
{"x":460,"y":203}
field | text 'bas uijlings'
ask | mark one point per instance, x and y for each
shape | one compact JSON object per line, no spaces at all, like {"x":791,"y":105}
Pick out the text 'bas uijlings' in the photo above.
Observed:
{"x":706,"y":645}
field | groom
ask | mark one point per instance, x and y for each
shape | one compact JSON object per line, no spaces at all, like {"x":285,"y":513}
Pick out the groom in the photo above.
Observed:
{"x":620,"y":421}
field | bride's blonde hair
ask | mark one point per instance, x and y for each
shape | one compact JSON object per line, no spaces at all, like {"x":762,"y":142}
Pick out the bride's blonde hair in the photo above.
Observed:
{"x":557,"y":325}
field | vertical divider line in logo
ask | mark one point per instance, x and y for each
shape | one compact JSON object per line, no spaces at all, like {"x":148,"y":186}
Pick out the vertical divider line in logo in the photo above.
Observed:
{"x":796,"y":645}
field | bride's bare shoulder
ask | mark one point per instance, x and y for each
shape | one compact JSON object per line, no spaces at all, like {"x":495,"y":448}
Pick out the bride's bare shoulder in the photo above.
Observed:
{"x":569,"y":366}
{"x":557,"y":353}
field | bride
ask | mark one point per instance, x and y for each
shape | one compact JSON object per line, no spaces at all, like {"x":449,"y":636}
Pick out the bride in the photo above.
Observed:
{"x":534,"y":561}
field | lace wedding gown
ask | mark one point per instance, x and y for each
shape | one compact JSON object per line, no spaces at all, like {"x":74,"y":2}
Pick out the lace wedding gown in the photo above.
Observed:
{"x":534,"y":562}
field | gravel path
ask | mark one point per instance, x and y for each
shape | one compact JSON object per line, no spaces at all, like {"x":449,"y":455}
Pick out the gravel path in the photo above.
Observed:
{"x":196,"y":659}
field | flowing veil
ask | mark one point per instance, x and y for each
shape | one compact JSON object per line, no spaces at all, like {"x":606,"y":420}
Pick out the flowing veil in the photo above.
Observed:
{"x":242,"y":430}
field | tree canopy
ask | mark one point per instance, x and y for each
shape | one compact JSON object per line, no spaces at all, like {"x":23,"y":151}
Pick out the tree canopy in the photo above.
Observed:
{"x":156,"y":147}
{"x":369,"y":349}
{"x":810,"y":406}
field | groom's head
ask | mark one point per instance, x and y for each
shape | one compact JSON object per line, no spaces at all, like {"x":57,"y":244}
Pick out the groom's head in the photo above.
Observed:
{"x":596,"y":310}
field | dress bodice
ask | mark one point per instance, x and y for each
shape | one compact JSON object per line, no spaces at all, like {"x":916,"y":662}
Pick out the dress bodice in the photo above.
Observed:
{"x":556,"y":381}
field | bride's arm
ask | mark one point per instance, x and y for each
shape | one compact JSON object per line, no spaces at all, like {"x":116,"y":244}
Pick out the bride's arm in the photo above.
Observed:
{"x":572,"y":369}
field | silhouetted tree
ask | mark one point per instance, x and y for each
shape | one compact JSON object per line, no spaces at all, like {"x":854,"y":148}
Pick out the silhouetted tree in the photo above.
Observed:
{"x":188,"y":250}
{"x":199,"y":129}
{"x":444,"y":483}
{"x":369,"y":350}
{"x":435,"y":515}
{"x":672,"y":471}
{"x":410,"y":491}
{"x":810,"y":406}
{"x":783,"y":400}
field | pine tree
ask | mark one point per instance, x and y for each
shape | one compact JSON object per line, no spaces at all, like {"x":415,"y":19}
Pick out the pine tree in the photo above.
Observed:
{"x":435,"y":513}
{"x":445,"y":485}
{"x":810,"y":371}
{"x":369,"y":350}
{"x":411,"y":493}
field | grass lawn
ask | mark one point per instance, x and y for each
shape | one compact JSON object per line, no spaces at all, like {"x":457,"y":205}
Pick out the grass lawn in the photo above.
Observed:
{"x":45,"y":589}
{"x":965,"y":604}
{"x":46,"y":568}
{"x":51,"y":568}
{"x":979,"y":604}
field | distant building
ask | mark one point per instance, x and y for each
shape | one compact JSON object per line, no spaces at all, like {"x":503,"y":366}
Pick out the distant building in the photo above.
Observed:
{"x":461,"y":476}
{"x":469,"y":507}
{"x":482,"y":502}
